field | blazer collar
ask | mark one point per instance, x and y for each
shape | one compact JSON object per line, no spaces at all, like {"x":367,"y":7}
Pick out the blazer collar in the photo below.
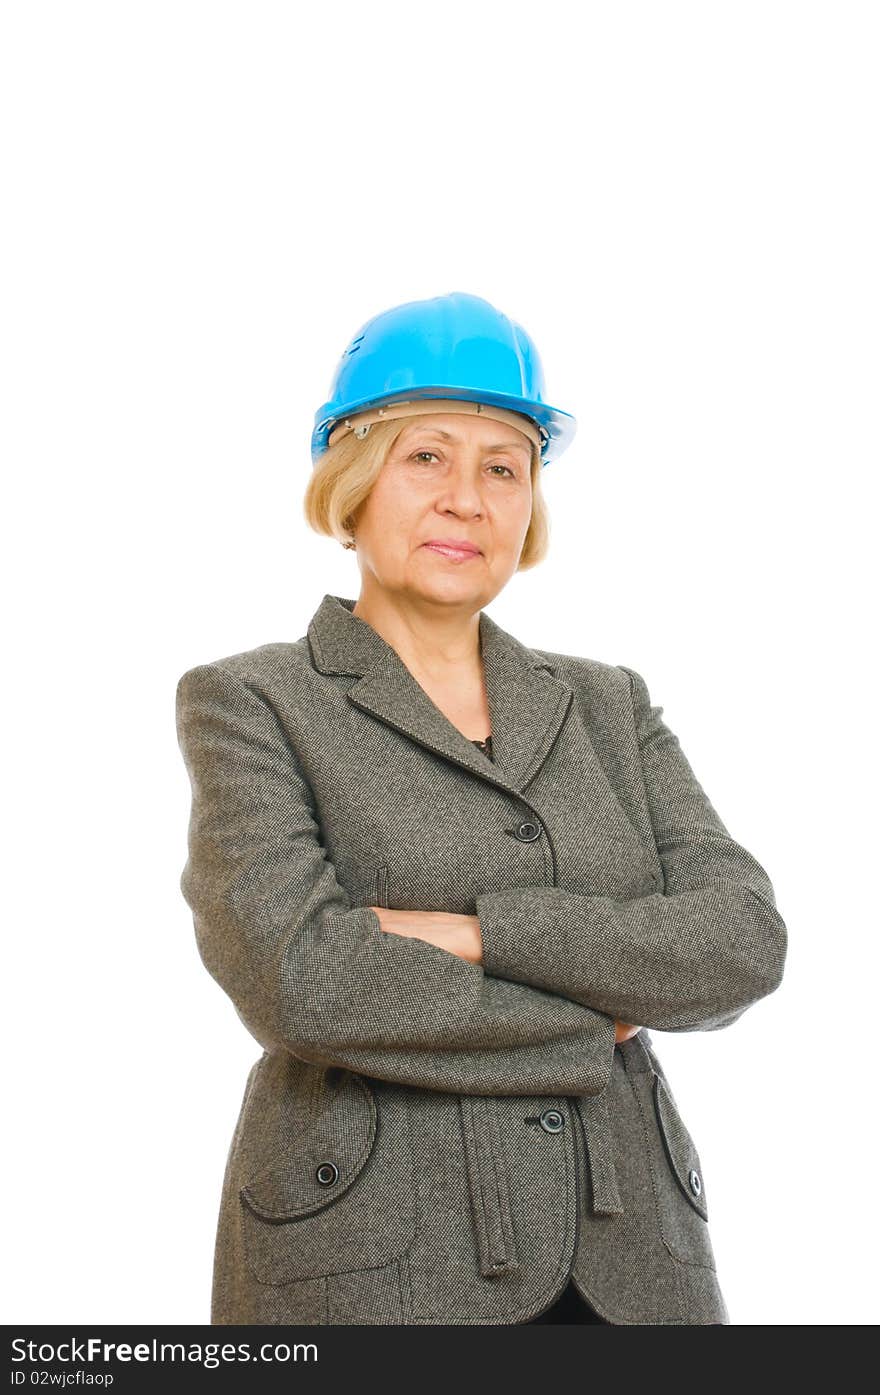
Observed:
{"x":527,"y":702}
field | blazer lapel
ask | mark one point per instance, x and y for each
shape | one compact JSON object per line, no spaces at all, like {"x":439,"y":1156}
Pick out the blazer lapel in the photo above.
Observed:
{"x":527,"y":703}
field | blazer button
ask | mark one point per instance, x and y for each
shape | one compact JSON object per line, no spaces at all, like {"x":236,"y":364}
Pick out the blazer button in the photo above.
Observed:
{"x":527,"y":832}
{"x":327,"y":1173}
{"x":551,"y":1121}
{"x":696,"y":1184}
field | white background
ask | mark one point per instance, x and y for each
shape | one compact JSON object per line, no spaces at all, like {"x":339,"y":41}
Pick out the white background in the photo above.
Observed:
{"x":203,"y":202}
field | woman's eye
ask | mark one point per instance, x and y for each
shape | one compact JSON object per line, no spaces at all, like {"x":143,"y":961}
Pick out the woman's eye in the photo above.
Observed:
{"x":497,"y":465}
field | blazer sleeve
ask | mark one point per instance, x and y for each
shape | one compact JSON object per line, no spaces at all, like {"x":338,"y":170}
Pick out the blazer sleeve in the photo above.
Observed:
{"x":690,"y":958}
{"x":307,"y":970}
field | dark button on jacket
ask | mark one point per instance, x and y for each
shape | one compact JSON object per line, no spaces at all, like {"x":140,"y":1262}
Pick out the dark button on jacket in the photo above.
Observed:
{"x":527,"y":831}
{"x":425,"y":1140}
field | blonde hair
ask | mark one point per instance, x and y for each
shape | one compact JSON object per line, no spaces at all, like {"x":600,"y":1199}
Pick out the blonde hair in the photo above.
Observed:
{"x":345,"y":474}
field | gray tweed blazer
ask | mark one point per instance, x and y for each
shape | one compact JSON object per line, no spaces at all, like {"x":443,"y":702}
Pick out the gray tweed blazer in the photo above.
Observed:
{"x":425,"y":1140}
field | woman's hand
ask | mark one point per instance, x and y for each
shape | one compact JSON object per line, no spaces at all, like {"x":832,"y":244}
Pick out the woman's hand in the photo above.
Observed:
{"x":623,"y":1031}
{"x":458,"y":934}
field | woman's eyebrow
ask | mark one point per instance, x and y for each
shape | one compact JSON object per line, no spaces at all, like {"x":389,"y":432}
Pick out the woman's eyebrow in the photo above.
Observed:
{"x":447,"y":436}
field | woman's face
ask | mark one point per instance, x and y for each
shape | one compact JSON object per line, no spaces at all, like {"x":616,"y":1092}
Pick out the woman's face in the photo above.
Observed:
{"x":449,"y":478}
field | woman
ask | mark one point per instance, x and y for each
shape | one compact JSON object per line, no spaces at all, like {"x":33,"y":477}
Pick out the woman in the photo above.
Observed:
{"x":449,"y":881}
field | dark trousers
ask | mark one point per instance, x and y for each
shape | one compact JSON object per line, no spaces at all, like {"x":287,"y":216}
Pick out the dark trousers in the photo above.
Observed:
{"x":569,"y":1307}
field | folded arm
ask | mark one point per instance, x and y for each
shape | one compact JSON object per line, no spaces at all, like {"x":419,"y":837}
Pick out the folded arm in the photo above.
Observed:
{"x":307,"y":970}
{"x":692,"y":958}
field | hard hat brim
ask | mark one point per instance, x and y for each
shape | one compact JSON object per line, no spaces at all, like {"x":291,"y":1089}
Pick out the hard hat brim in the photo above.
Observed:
{"x":560,"y":427}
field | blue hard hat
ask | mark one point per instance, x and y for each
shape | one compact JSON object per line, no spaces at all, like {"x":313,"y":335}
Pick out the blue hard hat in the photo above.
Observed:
{"x":456,"y":346}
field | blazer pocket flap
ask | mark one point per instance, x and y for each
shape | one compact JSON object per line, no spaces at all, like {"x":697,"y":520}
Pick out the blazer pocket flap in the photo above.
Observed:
{"x":324,"y":1160}
{"x":680,"y":1148}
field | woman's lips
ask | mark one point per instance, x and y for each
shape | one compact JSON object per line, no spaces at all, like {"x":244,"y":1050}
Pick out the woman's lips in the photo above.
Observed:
{"x":455,"y":554}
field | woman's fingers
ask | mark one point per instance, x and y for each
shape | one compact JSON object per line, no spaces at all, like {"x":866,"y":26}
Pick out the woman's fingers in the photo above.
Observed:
{"x":624,"y":1030}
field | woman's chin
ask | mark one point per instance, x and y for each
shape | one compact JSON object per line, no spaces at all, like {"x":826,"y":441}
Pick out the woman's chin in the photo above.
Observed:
{"x":453,"y":586}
